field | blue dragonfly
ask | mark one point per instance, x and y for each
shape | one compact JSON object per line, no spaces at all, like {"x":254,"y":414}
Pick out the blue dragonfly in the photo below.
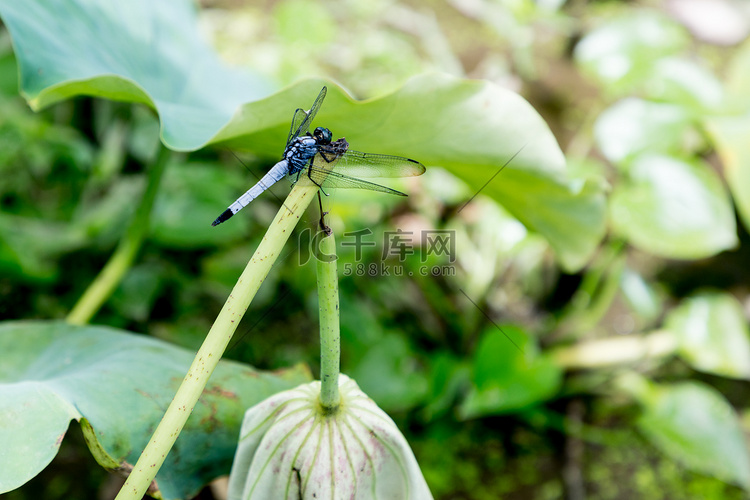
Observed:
{"x":325,"y":162}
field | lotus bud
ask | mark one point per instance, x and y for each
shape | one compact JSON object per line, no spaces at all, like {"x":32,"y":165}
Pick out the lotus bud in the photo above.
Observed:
{"x":291,"y":447}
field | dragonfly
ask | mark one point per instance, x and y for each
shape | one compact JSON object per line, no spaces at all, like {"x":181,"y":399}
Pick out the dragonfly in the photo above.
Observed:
{"x":325,"y":162}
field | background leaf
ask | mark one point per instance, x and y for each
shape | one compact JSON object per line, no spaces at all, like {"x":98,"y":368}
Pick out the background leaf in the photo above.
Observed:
{"x":683,"y":81}
{"x":632,"y":126}
{"x":188,"y":199}
{"x":145,"y":52}
{"x":713,"y":334}
{"x":622,"y":51}
{"x":730,"y":134}
{"x":673,"y":208}
{"x":507,"y":379}
{"x":121,"y":384}
{"x":695,"y":425}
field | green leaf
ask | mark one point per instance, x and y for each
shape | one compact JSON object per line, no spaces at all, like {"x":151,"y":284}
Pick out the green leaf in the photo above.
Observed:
{"x":632,"y":126}
{"x":571,"y":216}
{"x":151,"y":54}
{"x":713,"y":334}
{"x":387,"y":371}
{"x":673,"y":208}
{"x":684,"y":82}
{"x":507,"y":379}
{"x":738,"y":77}
{"x":695,"y":425}
{"x":29,"y":246}
{"x":447,"y":376}
{"x":135,"y":296}
{"x":190,"y":198}
{"x":146,"y":52}
{"x":120,"y":384}
{"x":621,"y":52}
{"x":730,"y":135}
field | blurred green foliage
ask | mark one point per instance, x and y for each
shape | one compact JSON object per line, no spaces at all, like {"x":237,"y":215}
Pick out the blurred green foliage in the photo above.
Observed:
{"x":60,"y":372}
{"x":632,"y":96}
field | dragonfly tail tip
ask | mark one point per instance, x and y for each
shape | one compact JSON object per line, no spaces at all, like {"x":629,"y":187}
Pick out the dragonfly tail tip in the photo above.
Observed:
{"x":226,"y":214}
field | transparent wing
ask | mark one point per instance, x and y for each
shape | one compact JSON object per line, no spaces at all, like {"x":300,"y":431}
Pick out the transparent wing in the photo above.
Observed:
{"x":302,"y":119}
{"x":332,"y":179}
{"x":297,"y":119}
{"x":356,"y":164}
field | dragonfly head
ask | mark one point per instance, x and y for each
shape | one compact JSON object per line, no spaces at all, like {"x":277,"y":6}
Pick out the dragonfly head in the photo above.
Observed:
{"x":323,"y":135}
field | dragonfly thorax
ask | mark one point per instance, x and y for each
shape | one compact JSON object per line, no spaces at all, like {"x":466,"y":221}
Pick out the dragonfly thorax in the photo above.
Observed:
{"x":299,"y":153}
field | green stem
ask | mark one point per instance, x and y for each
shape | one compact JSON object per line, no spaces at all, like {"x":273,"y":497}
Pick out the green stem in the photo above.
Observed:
{"x":595,"y":295}
{"x":111,"y":275}
{"x":330,"y":338}
{"x":616,"y":350}
{"x":218,"y":338}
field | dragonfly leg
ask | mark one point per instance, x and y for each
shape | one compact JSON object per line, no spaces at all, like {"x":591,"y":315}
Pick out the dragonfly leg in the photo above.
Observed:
{"x":322,"y":222}
{"x":309,"y":175}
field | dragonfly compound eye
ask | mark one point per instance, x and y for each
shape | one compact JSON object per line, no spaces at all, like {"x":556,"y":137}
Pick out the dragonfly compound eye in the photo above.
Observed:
{"x":323,"y":135}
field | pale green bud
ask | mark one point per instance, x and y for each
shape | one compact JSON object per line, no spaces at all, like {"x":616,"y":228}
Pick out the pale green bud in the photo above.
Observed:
{"x":292,"y":448}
